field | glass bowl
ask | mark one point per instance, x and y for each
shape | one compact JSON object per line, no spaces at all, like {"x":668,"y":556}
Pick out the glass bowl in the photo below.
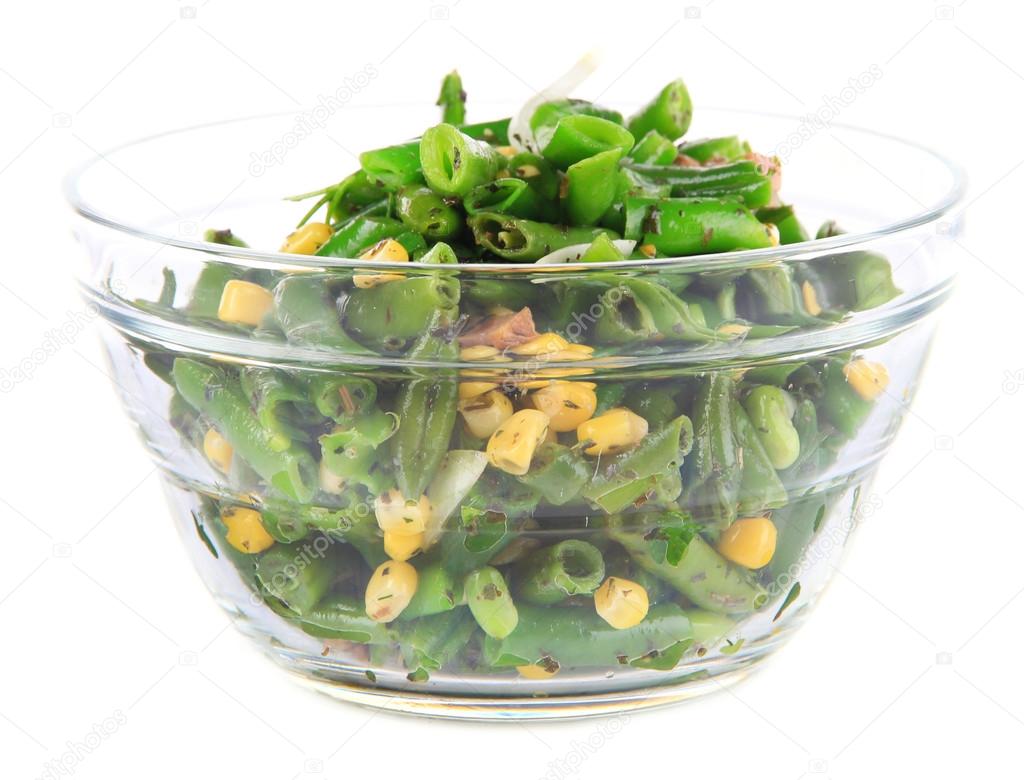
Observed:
{"x":658,"y":554}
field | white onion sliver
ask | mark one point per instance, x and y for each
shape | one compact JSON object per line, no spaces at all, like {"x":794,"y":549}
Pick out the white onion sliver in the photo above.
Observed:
{"x":520,"y":135}
{"x":570,"y":254}
{"x":458,"y":472}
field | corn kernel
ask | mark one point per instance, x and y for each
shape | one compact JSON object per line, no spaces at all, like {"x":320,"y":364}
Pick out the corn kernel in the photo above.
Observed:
{"x":217,"y":450}
{"x":810,"y":296}
{"x":245,"y":530}
{"x":583,"y":349}
{"x":308,"y":239}
{"x":401,"y":547}
{"x":479,"y":352}
{"x":734,"y":329}
{"x":543,"y":344}
{"x":390,"y":590}
{"x":567,"y":404}
{"x":750,"y":542}
{"x":386,"y":251}
{"x":566,"y":356}
{"x":621,"y":603}
{"x":773,"y":234}
{"x":484,"y":414}
{"x":473,"y":389}
{"x":400,"y":515}
{"x":244,"y":303}
{"x":615,"y":431}
{"x":506,"y":151}
{"x":545,"y":670}
{"x":648,"y":250}
{"x":527,"y":171}
{"x":868,"y":379}
{"x":511,"y":447}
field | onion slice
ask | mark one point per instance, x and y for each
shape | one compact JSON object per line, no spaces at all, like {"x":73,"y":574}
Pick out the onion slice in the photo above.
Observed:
{"x":520,"y":134}
{"x":457,"y":474}
{"x":571,"y":254}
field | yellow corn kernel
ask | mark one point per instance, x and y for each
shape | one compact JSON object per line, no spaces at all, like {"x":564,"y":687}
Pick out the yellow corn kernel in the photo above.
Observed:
{"x":545,"y":670}
{"x":329,"y":481}
{"x":245,"y":530}
{"x":537,"y":384}
{"x":499,"y":311}
{"x":390,"y":590}
{"x":386,"y":251}
{"x":401,"y":515}
{"x":308,"y":239}
{"x":541,"y":345}
{"x":648,"y":250}
{"x":217,"y":450}
{"x":567,"y":404}
{"x":868,"y":379}
{"x":615,"y":431}
{"x":621,"y":603}
{"x":527,"y":171}
{"x":566,"y":355}
{"x":734,"y":329}
{"x":506,"y":151}
{"x":244,"y":303}
{"x":401,"y":547}
{"x":583,"y":349}
{"x":810,"y":296}
{"x":485,"y":413}
{"x":750,"y":542}
{"x":478,"y":352}
{"x":511,"y":447}
{"x":473,"y":389}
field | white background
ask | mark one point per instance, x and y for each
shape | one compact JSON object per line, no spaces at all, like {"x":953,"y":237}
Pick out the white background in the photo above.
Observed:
{"x":911,"y":664}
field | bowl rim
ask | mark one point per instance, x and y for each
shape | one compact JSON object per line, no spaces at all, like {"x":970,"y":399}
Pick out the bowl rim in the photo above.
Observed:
{"x":929,"y":213}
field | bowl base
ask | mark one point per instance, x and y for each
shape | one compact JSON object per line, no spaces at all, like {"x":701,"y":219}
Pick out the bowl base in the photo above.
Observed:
{"x":539,"y":707}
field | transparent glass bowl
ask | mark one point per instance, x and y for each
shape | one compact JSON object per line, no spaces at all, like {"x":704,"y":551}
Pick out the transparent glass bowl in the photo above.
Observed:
{"x":139,"y":213}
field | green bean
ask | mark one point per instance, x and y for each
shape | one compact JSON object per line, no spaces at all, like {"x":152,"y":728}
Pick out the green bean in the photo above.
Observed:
{"x":523,"y":239}
{"x":224,"y":237}
{"x":653,"y":149}
{"x":602,"y":250}
{"x":552,"y":574}
{"x":352,"y":453}
{"x":578,"y":136}
{"x":453,"y":163}
{"x":427,"y":213}
{"x":393,"y":166}
{"x":625,"y":479}
{"x":655,"y":403}
{"x":592,"y":187}
{"x":452,"y":99}
{"x":846,"y":410}
{"x":714,"y":468}
{"x":437,"y":591}
{"x":745,"y":180}
{"x":760,"y":486}
{"x":687,"y":226}
{"x":341,"y":397}
{"x":209,"y":287}
{"x":338,"y":616}
{"x":287,"y":468}
{"x":771,"y":413}
{"x":700,"y":573}
{"x":784,"y":218}
{"x":557,"y":472}
{"x":307,"y":311}
{"x":669,"y":113}
{"x":576,"y":637}
{"x":514,"y":197}
{"x":426,"y":410}
{"x":298,"y":574}
{"x":547,"y":115}
{"x":360,"y":234}
{"x":398,"y":310}
{"x":491,"y":603}
{"x":715,"y":150}
{"x":431,"y":643}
